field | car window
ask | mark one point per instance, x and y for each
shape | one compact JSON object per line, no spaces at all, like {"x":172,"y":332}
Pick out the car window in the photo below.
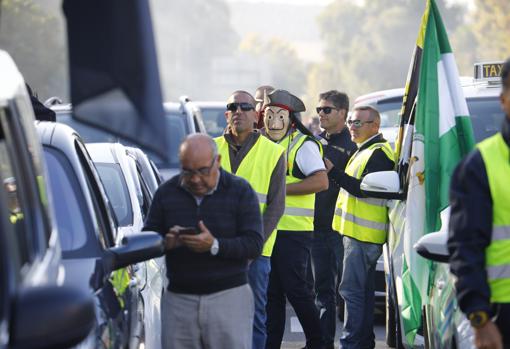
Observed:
{"x":214,"y":120}
{"x":102,"y":214}
{"x":12,"y":191}
{"x":389,"y":110}
{"x":73,"y":220}
{"x":115,"y":185}
{"x":486,"y":116}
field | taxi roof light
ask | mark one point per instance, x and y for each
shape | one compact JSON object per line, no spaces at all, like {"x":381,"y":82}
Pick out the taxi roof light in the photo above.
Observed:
{"x":488,"y":71}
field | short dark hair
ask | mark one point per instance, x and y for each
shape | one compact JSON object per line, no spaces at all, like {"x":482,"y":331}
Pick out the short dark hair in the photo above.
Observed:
{"x":505,"y":74}
{"x":244,"y":92}
{"x":339,"y":99}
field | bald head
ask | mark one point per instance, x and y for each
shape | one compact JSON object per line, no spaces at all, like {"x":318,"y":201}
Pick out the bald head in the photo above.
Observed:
{"x":259,"y":92}
{"x":198,"y":145}
{"x":200,"y":163}
{"x":248,"y":95}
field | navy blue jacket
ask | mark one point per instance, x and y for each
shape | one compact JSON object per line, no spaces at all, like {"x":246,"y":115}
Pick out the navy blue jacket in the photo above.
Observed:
{"x":338,"y":150}
{"x":231,"y":214}
{"x":471,"y":229}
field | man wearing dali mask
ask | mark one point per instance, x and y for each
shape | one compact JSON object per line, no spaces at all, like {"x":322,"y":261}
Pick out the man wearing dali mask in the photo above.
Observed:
{"x":306,"y":175}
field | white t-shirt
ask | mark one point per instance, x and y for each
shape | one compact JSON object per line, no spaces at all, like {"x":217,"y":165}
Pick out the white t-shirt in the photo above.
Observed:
{"x":309,"y":159}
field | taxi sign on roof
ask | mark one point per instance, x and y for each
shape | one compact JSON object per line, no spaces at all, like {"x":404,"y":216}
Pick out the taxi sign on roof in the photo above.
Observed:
{"x":488,"y":70}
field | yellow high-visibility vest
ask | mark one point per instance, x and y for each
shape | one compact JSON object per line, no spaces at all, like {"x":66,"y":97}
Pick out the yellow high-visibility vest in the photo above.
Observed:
{"x":256,"y":167}
{"x":299,"y":209}
{"x":496,"y":155}
{"x":364,"y":219}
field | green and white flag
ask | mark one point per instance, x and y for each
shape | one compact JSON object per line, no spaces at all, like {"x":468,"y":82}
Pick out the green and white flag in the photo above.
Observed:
{"x":442,"y":136}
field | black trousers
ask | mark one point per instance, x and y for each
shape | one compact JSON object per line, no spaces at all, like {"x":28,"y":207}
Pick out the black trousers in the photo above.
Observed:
{"x":289,"y":278}
{"x":502,"y":312}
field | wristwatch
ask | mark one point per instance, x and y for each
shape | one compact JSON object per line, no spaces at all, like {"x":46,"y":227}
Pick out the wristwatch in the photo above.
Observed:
{"x":215,"y":247}
{"x":478,"y":318}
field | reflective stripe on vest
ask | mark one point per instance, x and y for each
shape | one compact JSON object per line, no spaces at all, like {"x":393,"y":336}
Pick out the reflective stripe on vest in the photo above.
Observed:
{"x":365,"y":219}
{"x":256,"y":167}
{"x":299,"y":209}
{"x":496,"y":157}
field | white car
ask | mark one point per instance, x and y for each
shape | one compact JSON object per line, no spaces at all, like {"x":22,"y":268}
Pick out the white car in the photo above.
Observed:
{"x":120,"y":169}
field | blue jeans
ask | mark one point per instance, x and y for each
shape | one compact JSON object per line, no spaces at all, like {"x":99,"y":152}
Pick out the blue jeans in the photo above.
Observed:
{"x":258,"y":276}
{"x":327,"y":254}
{"x":357,"y":290}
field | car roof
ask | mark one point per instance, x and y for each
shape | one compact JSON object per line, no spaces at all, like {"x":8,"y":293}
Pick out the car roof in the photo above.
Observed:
{"x":470,"y":87}
{"x":63,"y":138}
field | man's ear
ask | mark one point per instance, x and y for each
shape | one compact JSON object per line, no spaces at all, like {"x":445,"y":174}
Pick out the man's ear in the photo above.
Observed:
{"x":219,"y":159}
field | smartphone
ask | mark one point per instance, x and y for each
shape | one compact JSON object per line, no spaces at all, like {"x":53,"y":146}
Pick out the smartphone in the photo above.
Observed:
{"x":188,"y":231}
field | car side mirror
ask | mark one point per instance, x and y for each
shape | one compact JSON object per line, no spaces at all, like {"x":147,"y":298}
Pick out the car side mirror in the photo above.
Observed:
{"x":382,"y":185}
{"x":135,"y":248}
{"x":51,"y":317}
{"x":433,"y":246}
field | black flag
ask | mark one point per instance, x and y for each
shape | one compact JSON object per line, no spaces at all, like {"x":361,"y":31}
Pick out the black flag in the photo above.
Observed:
{"x":113,"y":70}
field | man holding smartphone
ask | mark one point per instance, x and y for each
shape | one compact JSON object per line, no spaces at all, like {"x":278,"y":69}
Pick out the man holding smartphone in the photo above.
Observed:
{"x":208,"y":303}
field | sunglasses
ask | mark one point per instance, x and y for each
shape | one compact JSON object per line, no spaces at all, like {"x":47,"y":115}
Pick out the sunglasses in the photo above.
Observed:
{"x":326,"y":110}
{"x":244,"y":106}
{"x":358,"y":123}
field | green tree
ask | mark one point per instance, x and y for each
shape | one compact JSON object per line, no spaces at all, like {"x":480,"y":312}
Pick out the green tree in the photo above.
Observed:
{"x":368,"y":46}
{"x":287,"y":70}
{"x":491,"y":27}
{"x":36,"y":41}
{"x":189,"y":35}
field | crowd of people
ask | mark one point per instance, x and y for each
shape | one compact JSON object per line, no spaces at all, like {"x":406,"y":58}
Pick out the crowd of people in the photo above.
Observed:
{"x":248,"y":212}
{"x":270,"y":212}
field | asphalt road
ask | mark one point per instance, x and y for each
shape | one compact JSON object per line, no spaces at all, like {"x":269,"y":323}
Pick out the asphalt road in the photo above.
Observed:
{"x":294,"y":337}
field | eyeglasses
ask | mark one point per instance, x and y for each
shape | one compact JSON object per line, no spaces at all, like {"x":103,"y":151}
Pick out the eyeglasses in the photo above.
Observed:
{"x":358,"y":123}
{"x":244,"y":106}
{"x":326,"y":110}
{"x":202,"y":172}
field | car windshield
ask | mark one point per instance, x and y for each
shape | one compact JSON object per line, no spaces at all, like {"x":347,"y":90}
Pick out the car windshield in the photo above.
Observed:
{"x":214,"y":120}
{"x":176,"y":126}
{"x":389,"y":110}
{"x":70,"y":207}
{"x":486,"y":116}
{"x":117,"y":191}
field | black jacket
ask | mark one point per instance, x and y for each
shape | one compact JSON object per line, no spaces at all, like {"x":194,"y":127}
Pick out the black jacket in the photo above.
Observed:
{"x":471,"y":229}
{"x":232,"y":215}
{"x":338,"y":148}
{"x":377,"y":162}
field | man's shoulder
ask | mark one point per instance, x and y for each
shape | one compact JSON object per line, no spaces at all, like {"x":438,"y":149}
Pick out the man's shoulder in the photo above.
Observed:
{"x":269,"y":145}
{"x":169,"y":185}
{"x":230,"y":180}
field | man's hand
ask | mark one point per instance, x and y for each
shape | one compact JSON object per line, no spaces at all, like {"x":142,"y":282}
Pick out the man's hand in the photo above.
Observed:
{"x":171,"y":238}
{"x":488,"y":337}
{"x":198,"y":243}
{"x":329,"y":164}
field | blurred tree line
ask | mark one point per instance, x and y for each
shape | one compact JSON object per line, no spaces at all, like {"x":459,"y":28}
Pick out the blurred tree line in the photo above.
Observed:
{"x":368,"y":46}
{"x":35,"y":39}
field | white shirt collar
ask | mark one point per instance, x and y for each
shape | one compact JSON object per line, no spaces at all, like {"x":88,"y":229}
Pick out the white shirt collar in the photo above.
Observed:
{"x":368,"y":140}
